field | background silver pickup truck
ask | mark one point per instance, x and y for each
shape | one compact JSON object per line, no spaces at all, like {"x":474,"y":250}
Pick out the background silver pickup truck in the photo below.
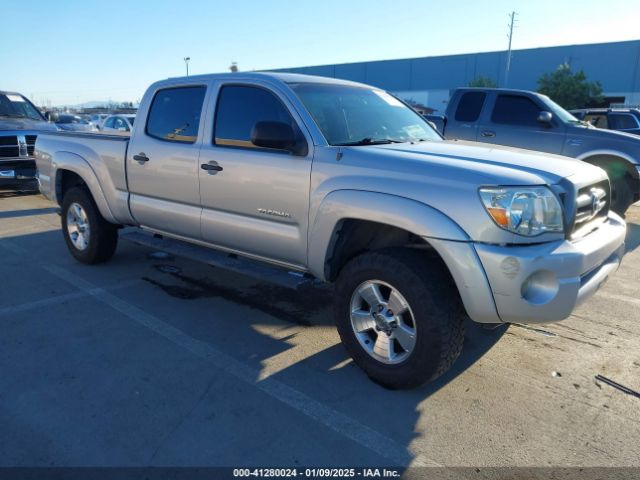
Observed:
{"x":525,"y":119}
{"x":346,"y":183}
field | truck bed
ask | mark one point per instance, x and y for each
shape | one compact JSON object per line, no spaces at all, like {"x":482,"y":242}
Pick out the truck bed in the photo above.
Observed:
{"x":98,"y":158}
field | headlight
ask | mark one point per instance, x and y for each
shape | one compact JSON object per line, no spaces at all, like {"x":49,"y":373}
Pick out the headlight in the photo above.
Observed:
{"x":528,"y":211}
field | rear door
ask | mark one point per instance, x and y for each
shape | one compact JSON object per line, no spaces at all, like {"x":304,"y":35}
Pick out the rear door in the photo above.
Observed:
{"x":162,"y":162}
{"x":464,"y":124}
{"x":256,"y":201}
{"x":512,"y":120}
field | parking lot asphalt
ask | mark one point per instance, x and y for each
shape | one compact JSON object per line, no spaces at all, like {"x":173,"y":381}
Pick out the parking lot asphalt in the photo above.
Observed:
{"x":166,"y":362}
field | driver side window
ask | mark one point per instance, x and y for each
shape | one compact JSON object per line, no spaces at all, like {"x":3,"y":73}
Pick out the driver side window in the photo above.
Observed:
{"x":515,"y":110}
{"x":240,"y":108}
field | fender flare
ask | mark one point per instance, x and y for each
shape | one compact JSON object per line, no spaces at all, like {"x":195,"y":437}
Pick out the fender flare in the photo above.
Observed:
{"x":410,"y":215}
{"x":632,"y":166}
{"x":72,"y":162}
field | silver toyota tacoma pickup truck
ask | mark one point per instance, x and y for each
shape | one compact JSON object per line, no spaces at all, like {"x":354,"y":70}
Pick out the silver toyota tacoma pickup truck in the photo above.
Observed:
{"x":344,"y":182}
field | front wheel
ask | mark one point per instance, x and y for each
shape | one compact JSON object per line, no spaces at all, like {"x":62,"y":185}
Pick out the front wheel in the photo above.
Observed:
{"x":399,"y":316}
{"x":89,"y":237}
{"x":622,"y":193}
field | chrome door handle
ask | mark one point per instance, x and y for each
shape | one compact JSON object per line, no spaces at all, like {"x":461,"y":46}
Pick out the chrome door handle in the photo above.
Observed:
{"x":488,"y":133}
{"x":141,"y":157}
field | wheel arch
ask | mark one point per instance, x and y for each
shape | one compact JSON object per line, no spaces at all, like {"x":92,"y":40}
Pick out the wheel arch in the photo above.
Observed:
{"x":73,"y":170}
{"x":349,"y":222}
{"x":604,"y":158}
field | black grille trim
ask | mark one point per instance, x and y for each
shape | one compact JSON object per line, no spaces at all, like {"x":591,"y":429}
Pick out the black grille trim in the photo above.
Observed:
{"x":585,"y":220}
{"x":9,"y":146}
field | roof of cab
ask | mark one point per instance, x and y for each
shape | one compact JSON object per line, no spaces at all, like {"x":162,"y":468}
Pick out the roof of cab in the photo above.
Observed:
{"x":282,"y":77}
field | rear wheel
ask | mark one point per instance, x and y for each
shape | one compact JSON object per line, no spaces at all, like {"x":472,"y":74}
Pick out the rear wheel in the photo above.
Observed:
{"x":399,"y":316}
{"x":89,"y":237}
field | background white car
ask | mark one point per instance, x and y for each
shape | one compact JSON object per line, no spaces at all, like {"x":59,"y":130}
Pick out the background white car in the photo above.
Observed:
{"x":97,"y":119}
{"x":118,"y":123}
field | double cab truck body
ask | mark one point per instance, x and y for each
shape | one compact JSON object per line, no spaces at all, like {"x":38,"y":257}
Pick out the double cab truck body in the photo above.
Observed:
{"x":525,"y":119}
{"x":344,"y":182}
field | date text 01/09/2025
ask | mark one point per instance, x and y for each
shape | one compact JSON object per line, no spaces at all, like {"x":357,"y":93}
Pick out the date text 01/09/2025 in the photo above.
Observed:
{"x":316,"y":472}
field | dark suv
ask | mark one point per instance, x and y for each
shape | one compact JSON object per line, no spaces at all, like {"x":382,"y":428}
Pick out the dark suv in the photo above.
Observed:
{"x":20,"y":122}
{"x":621,"y":119}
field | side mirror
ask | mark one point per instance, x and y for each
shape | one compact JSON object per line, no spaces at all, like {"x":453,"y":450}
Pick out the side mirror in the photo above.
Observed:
{"x":545,"y":118}
{"x":278,"y":136}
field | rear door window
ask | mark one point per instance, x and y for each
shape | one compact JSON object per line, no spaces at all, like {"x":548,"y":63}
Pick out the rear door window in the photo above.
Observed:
{"x":470,"y":106}
{"x":175,"y":114}
{"x":515,"y":110}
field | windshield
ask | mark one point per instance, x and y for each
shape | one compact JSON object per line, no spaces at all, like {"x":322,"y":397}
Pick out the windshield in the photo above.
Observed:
{"x":349,"y":115}
{"x":12,"y":105}
{"x":131,"y":119}
{"x":560,"y":112}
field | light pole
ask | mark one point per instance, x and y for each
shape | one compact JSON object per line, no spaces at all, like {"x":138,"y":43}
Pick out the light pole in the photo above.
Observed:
{"x":186,"y":63}
{"x":512,"y":15}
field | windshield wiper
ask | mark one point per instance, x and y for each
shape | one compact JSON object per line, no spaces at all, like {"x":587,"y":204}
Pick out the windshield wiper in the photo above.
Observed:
{"x":368,"y":141}
{"x":12,"y":115}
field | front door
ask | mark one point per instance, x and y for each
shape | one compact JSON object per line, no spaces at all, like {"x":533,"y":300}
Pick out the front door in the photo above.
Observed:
{"x":255,"y":200}
{"x":514,"y":122}
{"x":162,"y":163}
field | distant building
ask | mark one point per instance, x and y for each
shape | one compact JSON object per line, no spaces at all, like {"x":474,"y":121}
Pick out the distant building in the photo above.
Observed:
{"x":428,"y":81}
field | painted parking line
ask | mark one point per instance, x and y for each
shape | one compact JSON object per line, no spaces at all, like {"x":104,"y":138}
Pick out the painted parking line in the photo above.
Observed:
{"x":46,"y":302}
{"x":344,"y":425}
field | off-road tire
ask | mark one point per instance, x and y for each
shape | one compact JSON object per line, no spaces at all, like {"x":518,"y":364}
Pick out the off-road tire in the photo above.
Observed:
{"x":621,"y":194}
{"x":103,"y":238}
{"x":424,"y":281}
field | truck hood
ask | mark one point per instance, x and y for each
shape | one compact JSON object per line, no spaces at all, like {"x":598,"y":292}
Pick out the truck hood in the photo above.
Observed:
{"x":488,"y":164}
{"x":13,"y":124}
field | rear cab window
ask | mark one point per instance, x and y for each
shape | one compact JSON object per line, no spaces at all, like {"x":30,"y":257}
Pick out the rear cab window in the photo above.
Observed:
{"x":515,"y":110}
{"x":470,"y":106}
{"x":175,"y":113}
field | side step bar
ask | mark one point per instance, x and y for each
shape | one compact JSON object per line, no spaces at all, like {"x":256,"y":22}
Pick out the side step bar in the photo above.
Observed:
{"x":251,"y":268}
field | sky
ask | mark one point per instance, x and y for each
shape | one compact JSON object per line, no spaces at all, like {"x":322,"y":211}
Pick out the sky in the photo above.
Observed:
{"x":65,"y":52}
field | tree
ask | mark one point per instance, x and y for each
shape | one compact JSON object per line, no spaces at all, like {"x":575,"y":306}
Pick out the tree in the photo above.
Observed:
{"x":481,"y":81}
{"x":570,"y":90}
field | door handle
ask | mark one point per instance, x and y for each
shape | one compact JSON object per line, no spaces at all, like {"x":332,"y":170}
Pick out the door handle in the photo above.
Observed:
{"x":488,"y":133}
{"x":141,"y":157}
{"x":211,"y":167}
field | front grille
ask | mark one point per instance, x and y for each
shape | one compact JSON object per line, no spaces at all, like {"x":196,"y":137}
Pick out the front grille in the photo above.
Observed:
{"x":9,"y":147}
{"x":31,"y":143}
{"x":592,"y":207}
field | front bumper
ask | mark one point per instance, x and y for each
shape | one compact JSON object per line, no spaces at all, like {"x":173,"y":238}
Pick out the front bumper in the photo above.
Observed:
{"x":545,"y":282}
{"x":17,"y":171}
